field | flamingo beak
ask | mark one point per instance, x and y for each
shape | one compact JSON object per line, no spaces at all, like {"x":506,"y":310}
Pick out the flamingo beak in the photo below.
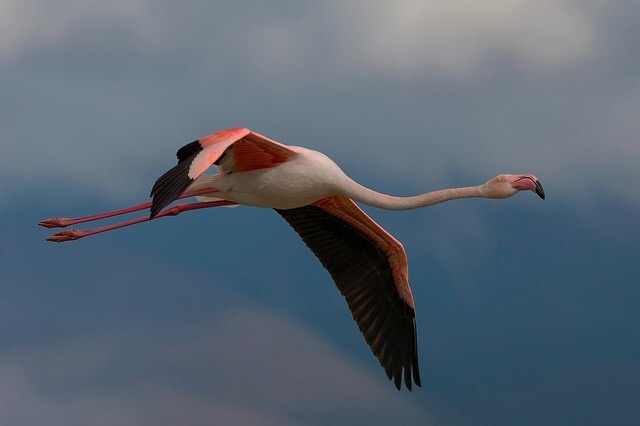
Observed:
{"x":539,"y":189}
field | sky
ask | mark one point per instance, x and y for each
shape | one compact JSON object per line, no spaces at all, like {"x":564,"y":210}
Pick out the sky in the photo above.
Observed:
{"x":527,"y":310}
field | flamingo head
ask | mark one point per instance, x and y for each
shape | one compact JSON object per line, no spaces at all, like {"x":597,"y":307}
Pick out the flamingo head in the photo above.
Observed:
{"x":503,"y":186}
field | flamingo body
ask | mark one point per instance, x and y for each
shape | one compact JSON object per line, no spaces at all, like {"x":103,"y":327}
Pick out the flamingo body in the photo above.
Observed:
{"x":252,"y":170}
{"x":367,"y":264}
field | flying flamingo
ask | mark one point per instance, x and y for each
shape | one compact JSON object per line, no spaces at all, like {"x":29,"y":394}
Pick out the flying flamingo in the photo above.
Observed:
{"x":367,"y":264}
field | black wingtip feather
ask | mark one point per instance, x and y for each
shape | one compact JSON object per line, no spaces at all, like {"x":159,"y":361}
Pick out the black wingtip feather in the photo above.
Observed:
{"x":188,"y":150}
{"x":416,"y":366}
{"x":397,"y":380}
{"x":173,"y":183}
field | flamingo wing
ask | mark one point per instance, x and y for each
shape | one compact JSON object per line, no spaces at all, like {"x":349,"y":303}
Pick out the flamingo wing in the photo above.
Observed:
{"x":232,"y":150}
{"x":369,"y":267}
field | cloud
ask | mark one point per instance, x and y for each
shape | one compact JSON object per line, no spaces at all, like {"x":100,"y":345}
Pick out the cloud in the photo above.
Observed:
{"x":405,"y":35}
{"x":250,"y":366}
{"x":419,"y":36}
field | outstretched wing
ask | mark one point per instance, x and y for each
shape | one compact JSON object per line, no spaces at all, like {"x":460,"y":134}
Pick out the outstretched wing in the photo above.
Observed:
{"x":232,"y":150}
{"x":369,"y":268}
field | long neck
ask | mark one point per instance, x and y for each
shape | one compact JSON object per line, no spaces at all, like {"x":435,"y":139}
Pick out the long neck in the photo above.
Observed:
{"x":372,"y":198}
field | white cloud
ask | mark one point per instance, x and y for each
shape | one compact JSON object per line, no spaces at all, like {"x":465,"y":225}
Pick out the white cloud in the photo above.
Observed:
{"x":407,"y":35}
{"x":252,"y":367}
{"x":418,"y":35}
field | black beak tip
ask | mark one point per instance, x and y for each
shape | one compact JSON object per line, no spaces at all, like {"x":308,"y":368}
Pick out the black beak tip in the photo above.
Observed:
{"x":539,"y":189}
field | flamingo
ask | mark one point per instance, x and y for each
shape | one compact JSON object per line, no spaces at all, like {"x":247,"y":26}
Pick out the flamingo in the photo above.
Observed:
{"x":367,"y":264}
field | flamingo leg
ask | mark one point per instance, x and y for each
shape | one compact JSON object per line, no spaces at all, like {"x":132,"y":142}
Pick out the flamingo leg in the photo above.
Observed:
{"x":74,"y":234}
{"x":63,"y":222}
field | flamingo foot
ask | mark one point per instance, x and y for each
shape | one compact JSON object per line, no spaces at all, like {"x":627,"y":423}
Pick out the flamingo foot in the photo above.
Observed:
{"x":58,"y":222}
{"x":68,"y":235}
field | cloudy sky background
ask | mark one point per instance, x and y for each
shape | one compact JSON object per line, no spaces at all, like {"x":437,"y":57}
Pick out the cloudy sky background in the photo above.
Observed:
{"x":527,"y":310}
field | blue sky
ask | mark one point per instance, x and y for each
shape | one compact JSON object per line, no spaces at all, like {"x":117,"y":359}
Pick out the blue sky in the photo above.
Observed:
{"x":527,"y":309}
